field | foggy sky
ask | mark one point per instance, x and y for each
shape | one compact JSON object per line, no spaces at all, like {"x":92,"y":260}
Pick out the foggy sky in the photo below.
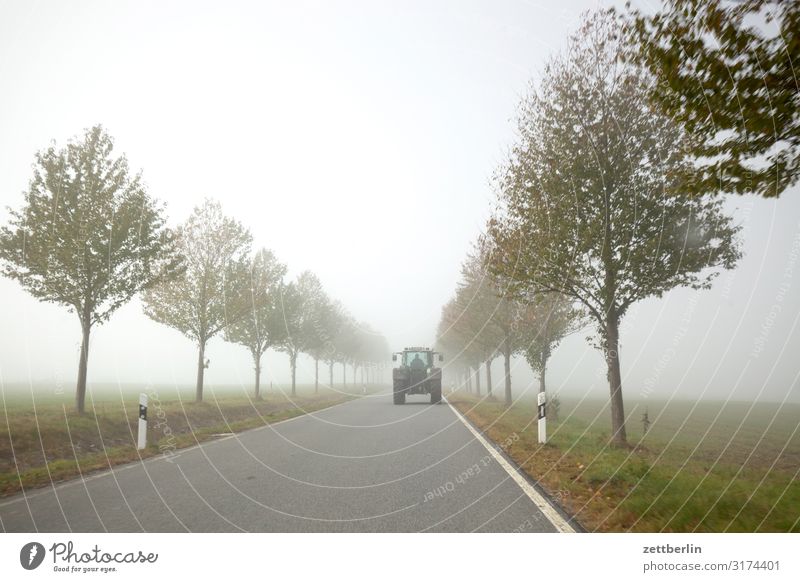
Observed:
{"x":357,"y":140}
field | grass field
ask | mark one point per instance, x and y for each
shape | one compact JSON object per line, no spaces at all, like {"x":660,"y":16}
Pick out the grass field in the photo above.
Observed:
{"x":706,"y":467}
{"x":42,"y":439}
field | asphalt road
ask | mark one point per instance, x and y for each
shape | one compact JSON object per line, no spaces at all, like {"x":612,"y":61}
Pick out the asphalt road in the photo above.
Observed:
{"x":363,"y":466}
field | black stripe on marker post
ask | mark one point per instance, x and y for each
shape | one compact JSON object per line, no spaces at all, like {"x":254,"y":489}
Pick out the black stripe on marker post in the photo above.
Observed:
{"x":541,"y":401}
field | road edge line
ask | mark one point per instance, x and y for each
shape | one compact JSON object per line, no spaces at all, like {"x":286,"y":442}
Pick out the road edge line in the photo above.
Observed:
{"x":546,"y":506}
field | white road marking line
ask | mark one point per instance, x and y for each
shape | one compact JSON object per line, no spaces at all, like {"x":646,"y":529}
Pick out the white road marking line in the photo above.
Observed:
{"x":550,"y":512}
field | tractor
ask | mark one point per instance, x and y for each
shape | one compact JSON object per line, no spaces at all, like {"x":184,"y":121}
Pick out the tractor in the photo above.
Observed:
{"x":417,"y":374}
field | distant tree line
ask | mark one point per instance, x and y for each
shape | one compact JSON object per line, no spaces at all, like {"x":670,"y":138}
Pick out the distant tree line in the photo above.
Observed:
{"x":90,"y":237}
{"x":486,"y":320}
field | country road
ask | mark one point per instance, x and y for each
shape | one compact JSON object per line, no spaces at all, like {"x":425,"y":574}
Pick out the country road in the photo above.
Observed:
{"x":361,"y":466}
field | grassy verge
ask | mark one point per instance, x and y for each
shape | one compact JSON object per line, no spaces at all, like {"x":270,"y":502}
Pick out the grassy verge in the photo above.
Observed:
{"x":707,"y":468}
{"x":46,"y":441}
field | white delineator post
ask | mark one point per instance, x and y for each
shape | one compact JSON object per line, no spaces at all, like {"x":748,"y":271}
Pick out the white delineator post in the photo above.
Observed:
{"x":142,"y":421}
{"x":540,"y":400}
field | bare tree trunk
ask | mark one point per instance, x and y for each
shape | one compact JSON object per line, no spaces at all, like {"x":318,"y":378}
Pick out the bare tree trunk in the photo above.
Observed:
{"x":344,"y":376}
{"x":478,"y":379}
{"x":507,"y":368}
{"x":83,"y":366}
{"x":489,"y":376}
{"x":293,"y":364}
{"x":316,"y":376}
{"x":618,"y":435}
{"x":201,"y":367}
{"x":330,"y":373}
{"x":543,"y":371}
{"x":257,"y":360}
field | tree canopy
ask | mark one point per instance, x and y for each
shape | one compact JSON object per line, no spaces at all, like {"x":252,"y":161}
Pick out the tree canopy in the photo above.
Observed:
{"x":727,"y":71}
{"x":545,"y":320}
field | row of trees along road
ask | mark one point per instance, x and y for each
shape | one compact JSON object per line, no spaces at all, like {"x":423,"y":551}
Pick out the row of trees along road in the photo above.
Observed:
{"x":593,"y":213}
{"x":486,"y":320}
{"x":89,"y":237}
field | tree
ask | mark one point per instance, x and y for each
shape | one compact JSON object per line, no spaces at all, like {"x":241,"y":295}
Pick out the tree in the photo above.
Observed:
{"x":88,"y":236}
{"x":370,"y":349}
{"x":463,"y":328}
{"x":376,"y":353}
{"x":260,"y":328}
{"x":299,"y":306}
{"x":506,"y":310}
{"x":477,"y":303}
{"x":336,"y":318}
{"x":486,"y":313}
{"x":451,"y":341}
{"x":212,"y":292}
{"x":347,"y":342}
{"x":380,"y":354}
{"x":546,"y":320}
{"x":732,"y":84}
{"x":481,"y":321}
{"x":589,"y":201}
{"x":319,"y":331}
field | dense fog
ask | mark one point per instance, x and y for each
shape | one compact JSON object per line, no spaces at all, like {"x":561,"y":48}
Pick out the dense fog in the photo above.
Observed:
{"x":357,"y":141}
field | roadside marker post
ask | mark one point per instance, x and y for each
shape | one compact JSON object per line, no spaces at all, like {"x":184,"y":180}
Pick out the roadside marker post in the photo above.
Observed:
{"x":142,"y":421}
{"x":541,"y":402}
